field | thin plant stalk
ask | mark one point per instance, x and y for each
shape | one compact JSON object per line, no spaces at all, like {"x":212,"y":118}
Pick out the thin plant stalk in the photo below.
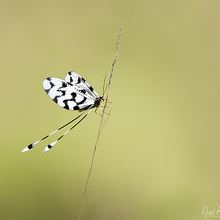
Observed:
{"x":102,"y":122}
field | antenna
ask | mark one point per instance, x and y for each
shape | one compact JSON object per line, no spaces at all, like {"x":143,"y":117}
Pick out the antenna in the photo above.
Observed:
{"x":104,"y":86}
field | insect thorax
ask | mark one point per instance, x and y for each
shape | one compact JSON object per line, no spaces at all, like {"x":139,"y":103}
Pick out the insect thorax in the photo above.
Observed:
{"x":98,"y":101}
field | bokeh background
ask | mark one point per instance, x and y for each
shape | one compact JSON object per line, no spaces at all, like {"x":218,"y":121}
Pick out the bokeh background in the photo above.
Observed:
{"x":158,"y":155}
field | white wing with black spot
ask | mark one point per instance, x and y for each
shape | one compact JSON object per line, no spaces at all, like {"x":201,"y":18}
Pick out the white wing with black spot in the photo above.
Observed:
{"x":73,"y":93}
{"x":80,"y":82}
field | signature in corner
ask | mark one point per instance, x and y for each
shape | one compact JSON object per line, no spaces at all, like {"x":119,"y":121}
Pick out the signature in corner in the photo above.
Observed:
{"x":214,"y":213}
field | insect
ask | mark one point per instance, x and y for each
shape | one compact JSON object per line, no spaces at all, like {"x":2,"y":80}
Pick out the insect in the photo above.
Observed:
{"x":73,"y":93}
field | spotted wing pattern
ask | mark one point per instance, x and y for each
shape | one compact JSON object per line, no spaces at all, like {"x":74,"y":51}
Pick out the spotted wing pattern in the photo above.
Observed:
{"x":73,"y":93}
{"x":81,"y":83}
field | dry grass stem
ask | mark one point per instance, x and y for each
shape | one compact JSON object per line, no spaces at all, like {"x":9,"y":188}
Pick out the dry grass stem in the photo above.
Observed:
{"x":102,"y":122}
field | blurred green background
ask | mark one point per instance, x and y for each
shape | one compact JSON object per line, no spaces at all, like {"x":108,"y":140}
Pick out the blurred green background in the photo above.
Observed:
{"x":158,"y":153}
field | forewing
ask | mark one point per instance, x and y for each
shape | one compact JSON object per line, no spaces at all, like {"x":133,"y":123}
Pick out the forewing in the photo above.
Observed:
{"x":66,"y":94}
{"x":78,"y":81}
